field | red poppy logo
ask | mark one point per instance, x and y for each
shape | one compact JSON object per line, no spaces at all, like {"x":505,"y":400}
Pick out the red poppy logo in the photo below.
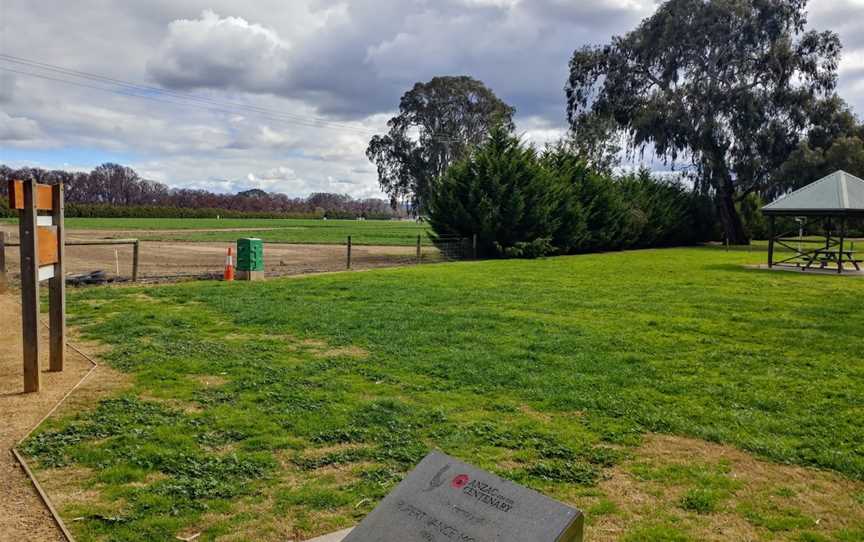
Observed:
{"x":460,"y":481}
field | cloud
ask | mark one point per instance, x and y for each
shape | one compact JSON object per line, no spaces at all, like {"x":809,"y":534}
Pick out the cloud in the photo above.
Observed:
{"x":358,"y":63}
{"x":220,"y":52}
{"x":280,"y":173}
{"x":18,"y":129}
{"x":346,"y":61}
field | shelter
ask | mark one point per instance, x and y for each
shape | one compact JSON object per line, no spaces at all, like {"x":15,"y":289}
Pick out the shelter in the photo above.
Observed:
{"x":833,"y":201}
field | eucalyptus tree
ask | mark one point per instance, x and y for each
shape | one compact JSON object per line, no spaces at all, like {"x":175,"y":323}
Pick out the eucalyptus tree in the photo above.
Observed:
{"x":724,"y":84}
{"x":837,"y":142}
{"x":438,"y":122}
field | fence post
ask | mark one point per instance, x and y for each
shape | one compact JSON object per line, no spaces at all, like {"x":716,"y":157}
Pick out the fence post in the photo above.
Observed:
{"x":57,"y":287}
{"x":349,"y":252}
{"x":135,"y":261}
{"x":419,"y":254}
{"x":3,"y":282}
{"x":474,"y":246}
{"x":29,"y":250}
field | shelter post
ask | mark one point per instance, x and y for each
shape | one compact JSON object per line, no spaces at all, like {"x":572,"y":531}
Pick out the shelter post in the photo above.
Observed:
{"x":771,"y":241}
{"x":840,"y":253}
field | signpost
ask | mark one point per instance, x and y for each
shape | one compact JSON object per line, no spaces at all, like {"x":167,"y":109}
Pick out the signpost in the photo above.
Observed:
{"x":444,"y":499}
{"x":42,"y":250}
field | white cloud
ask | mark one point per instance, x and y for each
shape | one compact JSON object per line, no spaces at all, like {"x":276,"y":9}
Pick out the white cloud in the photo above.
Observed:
{"x":346,"y":61}
{"x":18,"y":129}
{"x":220,"y":52}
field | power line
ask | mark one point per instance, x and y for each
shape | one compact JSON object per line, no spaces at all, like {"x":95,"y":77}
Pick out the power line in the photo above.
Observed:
{"x":139,"y":88}
{"x":135,"y":90}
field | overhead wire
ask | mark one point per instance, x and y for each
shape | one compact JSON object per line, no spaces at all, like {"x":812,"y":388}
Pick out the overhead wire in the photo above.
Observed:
{"x":135,"y":90}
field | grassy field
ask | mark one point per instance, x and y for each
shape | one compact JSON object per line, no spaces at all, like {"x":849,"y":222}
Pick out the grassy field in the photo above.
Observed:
{"x":363,"y":232}
{"x":289,"y":408}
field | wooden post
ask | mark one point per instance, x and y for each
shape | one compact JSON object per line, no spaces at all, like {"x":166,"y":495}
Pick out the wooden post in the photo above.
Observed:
{"x":842,"y":240}
{"x":349,"y":252}
{"x":57,"y":287}
{"x":771,"y":242}
{"x":419,"y":253}
{"x":474,"y":246}
{"x":29,"y":286}
{"x":135,"y":261}
{"x":3,"y":280}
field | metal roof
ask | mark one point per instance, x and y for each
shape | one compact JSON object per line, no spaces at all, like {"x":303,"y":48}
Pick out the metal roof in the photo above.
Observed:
{"x":839,"y":193}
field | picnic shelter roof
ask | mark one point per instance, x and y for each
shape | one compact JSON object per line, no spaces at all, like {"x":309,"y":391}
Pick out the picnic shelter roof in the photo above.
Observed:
{"x":837,"y":194}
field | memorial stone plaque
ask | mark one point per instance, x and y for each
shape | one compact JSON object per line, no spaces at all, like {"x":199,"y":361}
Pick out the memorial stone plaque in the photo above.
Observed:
{"x":444,"y":499}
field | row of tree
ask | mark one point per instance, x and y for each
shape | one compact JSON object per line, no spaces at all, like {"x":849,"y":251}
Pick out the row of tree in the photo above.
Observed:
{"x":523,"y":203}
{"x":114,"y":190}
{"x":745,"y":120}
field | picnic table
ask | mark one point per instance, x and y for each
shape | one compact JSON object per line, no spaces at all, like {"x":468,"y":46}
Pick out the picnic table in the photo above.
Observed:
{"x":826,"y":256}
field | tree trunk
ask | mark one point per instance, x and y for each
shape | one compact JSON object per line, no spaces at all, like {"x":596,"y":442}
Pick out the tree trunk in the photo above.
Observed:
{"x":733,"y":226}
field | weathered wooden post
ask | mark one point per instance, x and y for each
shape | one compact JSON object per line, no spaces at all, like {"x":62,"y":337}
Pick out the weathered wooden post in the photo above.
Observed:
{"x":57,"y":285}
{"x":419,"y":253}
{"x":135,"y":261}
{"x":3,"y":280}
{"x":474,"y":246}
{"x":349,"y":252}
{"x":29,"y":282}
{"x":41,"y":249}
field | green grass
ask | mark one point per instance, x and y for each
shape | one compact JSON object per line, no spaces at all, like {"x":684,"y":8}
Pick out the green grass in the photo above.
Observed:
{"x":363,"y":232}
{"x":546,"y":372}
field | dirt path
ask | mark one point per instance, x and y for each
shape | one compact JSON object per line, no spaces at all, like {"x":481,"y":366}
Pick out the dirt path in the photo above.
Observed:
{"x":23,"y":516}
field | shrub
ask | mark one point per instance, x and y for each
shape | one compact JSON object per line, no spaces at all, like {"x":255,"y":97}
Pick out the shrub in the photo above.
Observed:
{"x":521,"y":205}
{"x":591,"y":211}
{"x":501,"y":193}
{"x":659,"y":212}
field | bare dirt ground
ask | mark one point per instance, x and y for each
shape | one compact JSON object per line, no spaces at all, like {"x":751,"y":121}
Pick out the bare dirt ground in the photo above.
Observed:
{"x":172,"y":259}
{"x":23,"y":516}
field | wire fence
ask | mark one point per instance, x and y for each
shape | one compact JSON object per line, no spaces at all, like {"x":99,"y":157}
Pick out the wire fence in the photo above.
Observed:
{"x":177,"y":260}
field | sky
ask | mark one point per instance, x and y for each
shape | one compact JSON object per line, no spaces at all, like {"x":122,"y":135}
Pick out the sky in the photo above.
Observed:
{"x":284,"y":95}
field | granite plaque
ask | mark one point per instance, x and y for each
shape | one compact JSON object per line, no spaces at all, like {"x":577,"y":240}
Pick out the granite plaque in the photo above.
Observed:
{"x":444,"y":500}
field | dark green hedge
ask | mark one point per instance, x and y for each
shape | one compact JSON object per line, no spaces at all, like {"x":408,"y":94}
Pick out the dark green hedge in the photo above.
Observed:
{"x":523,"y":204}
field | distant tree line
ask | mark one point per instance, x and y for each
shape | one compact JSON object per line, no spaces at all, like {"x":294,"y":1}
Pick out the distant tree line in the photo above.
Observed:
{"x":113,"y":190}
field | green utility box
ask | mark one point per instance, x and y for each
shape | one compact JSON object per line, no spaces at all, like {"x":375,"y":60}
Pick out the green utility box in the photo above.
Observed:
{"x":250,"y":258}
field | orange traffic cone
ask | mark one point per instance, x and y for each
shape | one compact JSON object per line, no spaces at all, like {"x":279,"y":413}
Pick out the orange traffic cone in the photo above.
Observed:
{"x":229,"y":266}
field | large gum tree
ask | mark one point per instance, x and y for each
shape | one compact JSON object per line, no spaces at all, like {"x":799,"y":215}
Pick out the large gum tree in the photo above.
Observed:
{"x":438,"y":122}
{"x":726,"y":85}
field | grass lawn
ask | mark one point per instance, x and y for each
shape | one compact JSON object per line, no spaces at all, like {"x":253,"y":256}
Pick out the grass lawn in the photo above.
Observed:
{"x":363,"y":232}
{"x":294,"y":405}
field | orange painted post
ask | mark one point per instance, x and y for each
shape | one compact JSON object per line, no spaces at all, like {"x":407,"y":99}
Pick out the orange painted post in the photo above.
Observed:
{"x":43,"y":194}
